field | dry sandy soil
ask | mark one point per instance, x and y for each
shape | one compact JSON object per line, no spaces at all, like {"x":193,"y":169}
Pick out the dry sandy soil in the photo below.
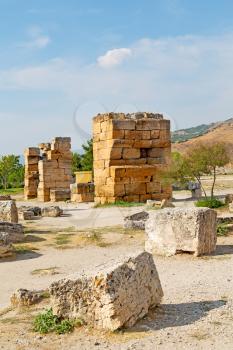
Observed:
{"x":197,"y":308}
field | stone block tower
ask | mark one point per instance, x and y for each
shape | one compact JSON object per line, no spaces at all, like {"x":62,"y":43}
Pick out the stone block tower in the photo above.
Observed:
{"x":129,"y":151}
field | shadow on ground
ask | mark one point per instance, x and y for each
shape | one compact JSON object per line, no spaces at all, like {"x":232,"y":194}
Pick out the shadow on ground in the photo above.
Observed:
{"x":223,"y":249}
{"x":176,"y":315}
{"x":28,"y":254}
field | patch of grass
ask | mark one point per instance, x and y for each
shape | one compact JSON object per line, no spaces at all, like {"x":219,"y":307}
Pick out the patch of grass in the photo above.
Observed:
{"x":199,"y":335}
{"x":63,"y":239}
{"x":46,"y":271}
{"x":24,"y":248}
{"x":222,"y":229}
{"x":47,"y":322}
{"x":119,"y":204}
{"x":11,"y":191}
{"x":212,"y":203}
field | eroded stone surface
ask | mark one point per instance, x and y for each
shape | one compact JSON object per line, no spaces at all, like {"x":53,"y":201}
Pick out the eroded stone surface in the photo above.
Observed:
{"x":181,"y":229}
{"x":8,"y":211}
{"x":52,"y":211}
{"x":115,"y":295}
{"x":25,"y":297}
{"x":11,"y":233}
{"x":136,"y":221}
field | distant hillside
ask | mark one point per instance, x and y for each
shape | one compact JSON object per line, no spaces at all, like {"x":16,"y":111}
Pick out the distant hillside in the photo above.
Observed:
{"x":216,"y":132}
{"x":187,"y":134}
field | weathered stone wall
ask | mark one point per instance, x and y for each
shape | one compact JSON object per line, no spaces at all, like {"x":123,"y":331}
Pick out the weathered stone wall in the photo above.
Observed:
{"x":170,"y":231}
{"x":129,"y":150}
{"x":48,"y":170}
{"x":114,"y":296}
{"x":82,"y":192}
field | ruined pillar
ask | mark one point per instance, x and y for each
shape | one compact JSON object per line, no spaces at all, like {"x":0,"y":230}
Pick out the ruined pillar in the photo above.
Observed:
{"x":31,"y":180}
{"x":129,"y":152}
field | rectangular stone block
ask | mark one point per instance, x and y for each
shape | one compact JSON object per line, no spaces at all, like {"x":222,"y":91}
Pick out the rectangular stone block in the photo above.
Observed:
{"x":129,"y":153}
{"x":111,"y":296}
{"x":170,"y":231}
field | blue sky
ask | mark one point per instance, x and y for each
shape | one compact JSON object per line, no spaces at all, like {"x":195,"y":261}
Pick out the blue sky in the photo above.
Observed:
{"x":61,"y":62}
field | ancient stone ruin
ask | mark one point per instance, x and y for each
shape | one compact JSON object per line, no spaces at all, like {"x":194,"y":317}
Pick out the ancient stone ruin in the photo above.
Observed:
{"x":129,"y":151}
{"x":170,"y":231}
{"x":115,"y":295}
{"x":48,"y":170}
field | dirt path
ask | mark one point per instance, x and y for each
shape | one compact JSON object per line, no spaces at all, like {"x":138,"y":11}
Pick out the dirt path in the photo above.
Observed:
{"x":196,"y":312}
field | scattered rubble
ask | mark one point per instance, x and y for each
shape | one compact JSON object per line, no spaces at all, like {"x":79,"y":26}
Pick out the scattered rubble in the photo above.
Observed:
{"x":24,"y":297}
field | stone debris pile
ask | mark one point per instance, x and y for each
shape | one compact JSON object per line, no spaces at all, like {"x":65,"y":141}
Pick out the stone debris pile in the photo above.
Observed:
{"x":113,"y":296}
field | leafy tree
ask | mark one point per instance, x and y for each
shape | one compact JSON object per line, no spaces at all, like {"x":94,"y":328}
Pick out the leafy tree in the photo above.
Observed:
{"x":87,"y":157}
{"x":85,"y":160}
{"x":76,"y":162}
{"x":199,"y":161}
{"x":10,"y":168}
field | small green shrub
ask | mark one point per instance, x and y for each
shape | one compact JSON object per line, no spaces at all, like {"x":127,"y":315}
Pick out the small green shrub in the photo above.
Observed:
{"x":47,"y":322}
{"x":209,"y":203}
{"x":222,"y":230}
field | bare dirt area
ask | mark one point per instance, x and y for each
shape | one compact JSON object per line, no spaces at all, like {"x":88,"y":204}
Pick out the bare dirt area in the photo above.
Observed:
{"x":196,"y":311}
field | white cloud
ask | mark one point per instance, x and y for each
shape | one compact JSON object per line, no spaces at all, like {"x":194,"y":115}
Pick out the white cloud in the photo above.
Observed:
{"x":37,"y":40}
{"x":188,"y":78}
{"x":113,"y":57}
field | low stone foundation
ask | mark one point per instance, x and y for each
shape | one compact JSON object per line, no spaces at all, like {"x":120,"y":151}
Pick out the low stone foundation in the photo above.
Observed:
{"x":114,"y":296}
{"x":170,"y":231}
{"x":82,"y":192}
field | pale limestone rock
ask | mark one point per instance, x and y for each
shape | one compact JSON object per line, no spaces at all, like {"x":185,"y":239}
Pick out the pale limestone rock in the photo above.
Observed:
{"x":24,"y":297}
{"x":52,"y":211}
{"x":113,"y":296}
{"x":170,"y":231}
{"x":8,"y":211}
{"x":228,"y":198}
{"x":231,"y":207}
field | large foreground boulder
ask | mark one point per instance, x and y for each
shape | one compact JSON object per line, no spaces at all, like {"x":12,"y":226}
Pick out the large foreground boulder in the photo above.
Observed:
{"x":8,"y":211}
{"x":170,"y":231}
{"x":114,"y":296}
{"x":12,"y":233}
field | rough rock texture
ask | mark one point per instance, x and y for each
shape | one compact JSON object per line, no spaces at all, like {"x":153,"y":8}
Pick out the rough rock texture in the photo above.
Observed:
{"x":231,"y":207}
{"x":28,"y":213}
{"x":170,"y":231}
{"x":8,"y":211}
{"x":25,"y":297}
{"x":6,"y":249}
{"x":228,"y":198}
{"x":136,"y":221}
{"x":116,"y":296}
{"x":11,"y":233}
{"x":52,"y":211}
{"x":5,"y":197}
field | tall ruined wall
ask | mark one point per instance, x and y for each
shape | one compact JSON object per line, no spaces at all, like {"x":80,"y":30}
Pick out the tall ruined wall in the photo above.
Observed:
{"x":53,"y":170}
{"x":129,"y":150}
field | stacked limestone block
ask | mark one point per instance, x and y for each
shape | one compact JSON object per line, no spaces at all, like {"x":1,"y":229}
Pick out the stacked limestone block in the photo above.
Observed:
{"x":82,"y":192}
{"x":32,"y":157}
{"x":55,"y":169}
{"x":129,"y":152}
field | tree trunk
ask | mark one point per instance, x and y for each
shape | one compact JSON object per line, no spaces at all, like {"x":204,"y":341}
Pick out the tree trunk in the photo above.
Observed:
{"x":214,"y":180}
{"x":199,"y":181}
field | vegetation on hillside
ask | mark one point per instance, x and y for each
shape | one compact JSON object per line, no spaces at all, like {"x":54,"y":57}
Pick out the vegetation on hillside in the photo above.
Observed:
{"x":187,"y":134}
